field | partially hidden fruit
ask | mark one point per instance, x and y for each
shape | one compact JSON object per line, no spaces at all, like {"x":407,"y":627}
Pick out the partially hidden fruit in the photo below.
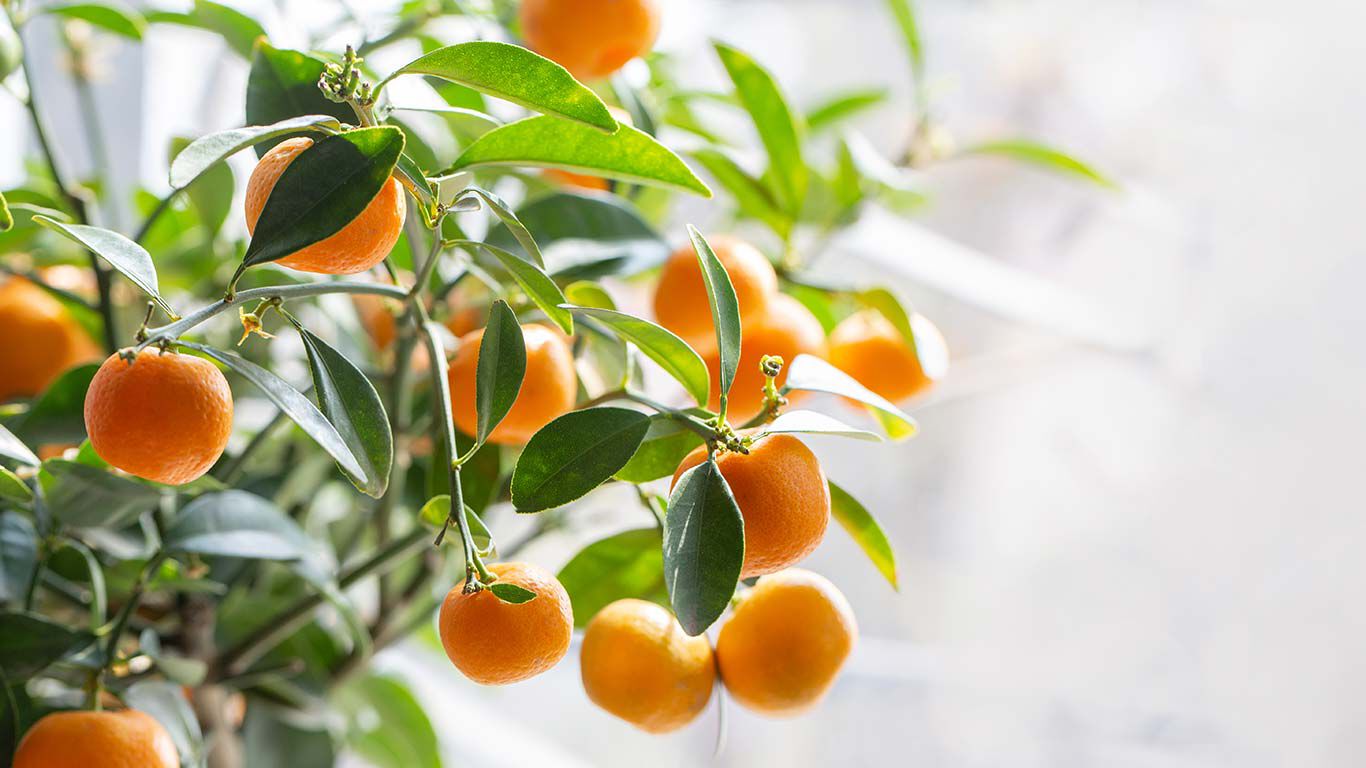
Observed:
{"x":38,"y":339}
{"x":548,"y":389}
{"x":495,"y":643}
{"x":590,"y":38}
{"x":638,"y":664}
{"x":787,"y":329}
{"x":356,"y":247}
{"x":783,"y":497}
{"x":869,"y":348}
{"x":164,"y":416}
{"x":379,"y":323}
{"x":586,"y":181}
{"x":681,"y":303}
{"x":786,"y":642}
{"x":121,"y":739}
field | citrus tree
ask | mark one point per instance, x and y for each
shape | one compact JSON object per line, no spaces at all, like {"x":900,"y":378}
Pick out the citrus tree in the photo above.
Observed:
{"x":232,"y":470}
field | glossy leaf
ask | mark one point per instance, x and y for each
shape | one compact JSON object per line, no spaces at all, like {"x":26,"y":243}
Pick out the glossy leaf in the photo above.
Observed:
{"x":83,"y":496}
{"x":777,"y":126}
{"x":575,"y":453}
{"x":237,"y":29}
{"x":665,"y":445}
{"x":107,"y":15}
{"x":500,"y":370}
{"x":511,"y":593}
{"x":515,"y":74}
{"x":13,"y":448}
{"x":292,"y":403}
{"x":865,"y":530}
{"x":284,"y":84}
{"x":751,"y":195}
{"x":18,"y":556}
{"x":533,"y":280}
{"x":415,"y":180}
{"x":437,"y":508}
{"x":725,"y":308}
{"x":548,"y":142}
{"x":842,"y":107}
{"x":13,"y":489}
{"x":348,"y":400}
{"x":627,"y":564}
{"x":810,"y":373}
{"x":237,"y":524}
{"x":509,"y":220}
{"x":1042,"y":156}
{"x":205,"y":151}
{"x":129,"y":258}
{"x":660,"y":345}
{"x":590,"y":295}
{"x":58,"y":414}
{"x":704,"y":547}
{"x":326,"y":186}
{"x":30,"y":643}
{"x":166,"y":702}
{"x":814,"y":423}
{"x":586,"y":236}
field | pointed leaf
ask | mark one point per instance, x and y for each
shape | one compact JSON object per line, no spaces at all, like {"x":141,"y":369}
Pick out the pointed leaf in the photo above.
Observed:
{"x":348,"y":400}
{"x":500,"y":370}
{"x":810,"y":373}
{"x":627,"y":564}
{"x":511,"y":593}
{"x":239,"y":30}
{"x":548,"y":142}
{"x":13,"y":449}
{"x":725,"y":308}
{"x":842,"y":107}
{"x":811,"y":422}
{"x":30,"y":643}
{"x":284,"y":84}
{"x":58,"y":415}
{"x":435,"y":512}
{"x":533,"y":280}
{"x":751,"y":195}
{"x":509,"y":220}
{"x":665,"y":445}
{"x":108,"y":15}
{"x":773,"y":119}
{"x":515,"y":74}
{"x":704,"y":547}
{"x":83,"y":496}
{"x":239,"y":524}
{"x":18,"y":556}
{"x":904,"y":12}
{"x":660,"y":345}
{"x":166,"y":702}
{"x":1041,"y":155}
{"x":864,"y":528}
{"x":205,"y":151}
{"x":129,"y":258}
{"x":596,"y":235}
{"x":575,"y":453}
{"x":13,"y":489}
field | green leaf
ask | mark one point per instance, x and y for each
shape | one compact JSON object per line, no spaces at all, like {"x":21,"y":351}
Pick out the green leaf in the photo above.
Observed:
{"x":326,"y":186}
{"x":627,"y":155}
{"x":589,"y":294}
{"x":500,"y":369}
{"x":237,"y":29}
{"x":129,"y":258}
{"x":178,"y":669}
{"x":533,"y":280}
{"x":814,"y":423}
{"x":810,"y":373}
{"x":387,"y":724}
{"x":660,"y":345}
{"x":108,"y":15}
{"x":596,"y":235}
{"x":665,"y":445}
{"x":574,"y":454}
{"x":284,"y":84}
{"x":751,"y":195}
{"x":58,"y":415}
{"x":515,"y":74}
{"x":725,"y":308}
{"x":773,"y":119}
{"x":18,"y":556}
{"x":13,"y":489}
{"x":842,"y":107}
{"x":83,"y":496}
{"x":438,"y":508}
{"x":13,"y":449}
{"x":239,"y":524}
{"x":704,"y":547}
{"x":167,"y":703}
{"x":211,"y":194}
{"x":276,"y":737}
{"x":30,"y":643}
{"x":910,"y":35}
{"x":348,"y":400}
{"x":6,"y":218}
{"x":417,"y":182}
{"x":292,"y":403}
{"x":1041,"y":155}
{"x":627,"y":564}
{"x":206,"y":151}
{"x":510,"y":221}
{"x":889,"y":306}
{"x":511,"y":593}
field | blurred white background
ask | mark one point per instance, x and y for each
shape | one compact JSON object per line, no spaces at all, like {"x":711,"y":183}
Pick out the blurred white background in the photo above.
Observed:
{"x":1136,"y":553}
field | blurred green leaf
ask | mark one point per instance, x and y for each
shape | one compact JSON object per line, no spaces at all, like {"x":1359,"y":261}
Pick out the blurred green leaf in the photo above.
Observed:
{"x":842,"y":107}
{"x":124,"y":255}
{"x":665,"y":445}
{"x":58,"y":414}
{"x":905,"y":15}
{"x":627,"y":564}
{"x":660,"y":345}
{"x":6,"y":218}
{"x":284,"y":84}
{"x":274,"y":737}
{"x":751,"y":195}
{"x":166,"y":702}
{"x":573,"y":454}
{"x":13,"y":489}
{"x":500,"y":369}
{"x":237,"y":29}
{"x":864,"y":528}
{"x":83,"y":496}
{"x":108,"y":15}
{"x":542,"y":291}
{"x":14,"y":449}
{"x":350,"y":402}
{"x":725,"y":308}
{"x":810,"y":373}
{"x":388,"y":726}
{"x":29,"y":643}
{"x":889,"y":306}
{"x":435,"y":512}
{"x":778,"y":128}
{"x":178,"y":669}
{"x":598,"y":234}
{"x":206,"y":151}
{"x":704,"y":547}
{"x":237,"y":524}
{"x":589,"y":294}
{"x":1040,"y":155}
{"x":815,"y":423}
{"x":18,"y":556}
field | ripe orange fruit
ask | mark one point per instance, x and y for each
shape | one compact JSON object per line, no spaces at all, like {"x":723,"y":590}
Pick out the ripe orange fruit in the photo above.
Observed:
{"x":466,"y":320}
{"x":495,"y":643}
{"x":782,"y":648}
{"x":164,"y":417}
{"x":376,"y":319}
{"x":639,"y":664}
{"x":780,"y":489}
{"x":590,"y":38}
{"x":356,"y":247}
{"x":681,"y":297}
{"x":97,"y":740}
{"x":868,"y":347}
{"x":548,"y":389}
{"x":38,"y":339}
{"x":787,"y":329}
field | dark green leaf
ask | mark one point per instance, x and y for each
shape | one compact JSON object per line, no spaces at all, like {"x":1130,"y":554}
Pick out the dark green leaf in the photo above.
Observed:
{"x":348,"y":400}
{"x":543,"y":291}
{"x":129,"y":258}
{"x":388,"y":726}
{"x":326,"y":186}
{"x":501,"y":367}
{"x":29,"y":643}
{"x":812,"y":422}
{"x":438,"y":508}
{"x":842,"y":107}
{"x":13,"y":449}
{"x":813,"y":374}
{"x":751,"y":195}
{"x":627,"y":564}
{"x":773,"y":119}
{"x":574,"y":454}
{"x":598,"y":234}
{"x":108,"y":15}
{"x":511,"y":593}
{"x":167,"y":703}
{"x":284,"y":84}
{"x":1041,"y":155}
{"x":13,"y":489}
{"x":237,"y":524}
{"x":206,"y":151}
{"x":83,"y":496}
{"x":628,"y":155}
{"x":18,"y":556}
{"x":415,"y":180}
{"x":58,"y":415}
{"x":509,"y":220}
{"x":725,"y":308}
{"x":661,"y":452}
{"x":704,"y":547}
{"x":660,"y":345}
{"x":239,"y":30}
{"x":515,"y":74}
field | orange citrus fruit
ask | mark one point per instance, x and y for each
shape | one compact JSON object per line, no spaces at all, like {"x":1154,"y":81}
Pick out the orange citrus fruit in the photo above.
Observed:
{"x":120,"y":739}
{"x":38,"y":339}
{"x":548,"y":388}
{"x":164,"y":416}
{"x":869,"y":348}
{"x":590,"y":38}
{"x":780,"y":651}
{"x":681,"y":303}
{"x":495,"y":643}
{"x":587,"y":181}
{"x":639,"y":664}
{"x":781,"y":491}
{"x":356,"y":247}
{"x":787,"y":329}
{"x":466,"y":320}
{"x":379,"y":323}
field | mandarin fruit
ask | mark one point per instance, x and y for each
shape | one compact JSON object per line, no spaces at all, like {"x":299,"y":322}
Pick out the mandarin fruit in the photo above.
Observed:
{"x":495,"y":643}
{"x":38,"y":339}
{"x":681,"y":303}
{"x":869,"y":348}
{"x":787,"y":329}
{"x":590,"y":38}
{"x":548,"y":389}
{"x":121,"y":739}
